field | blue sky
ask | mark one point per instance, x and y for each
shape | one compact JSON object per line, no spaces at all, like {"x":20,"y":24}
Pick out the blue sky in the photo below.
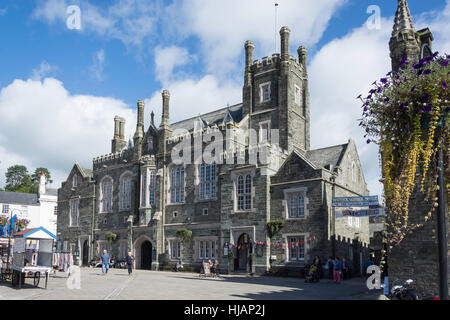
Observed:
{"x":62,"y":87}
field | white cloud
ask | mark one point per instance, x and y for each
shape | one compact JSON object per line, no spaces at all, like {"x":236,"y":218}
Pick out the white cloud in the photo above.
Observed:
{"x":169,"y":58}
{"x":98,"y":65}
{"x":224,"y":26}
{"x":44,"y":69}
{"x":339,"y":72}
{"x":190,"y":98}
{"x":439,"y":24}
{"x":44,"y":125}
{"x":129,"y":21}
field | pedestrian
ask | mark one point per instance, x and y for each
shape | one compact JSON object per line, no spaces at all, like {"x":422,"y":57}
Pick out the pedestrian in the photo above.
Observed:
{"x":318,"y":264}
{"x":344,"y":269}
{"x":330,"y":265}
{"x":179,"y":266}
{"x":337,"y":270}
{"x":130,"y":263}
{"x":106,"y":258}
{"x":350,"y":268}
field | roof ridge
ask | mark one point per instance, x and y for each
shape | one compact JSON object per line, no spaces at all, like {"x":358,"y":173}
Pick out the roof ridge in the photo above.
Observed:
{"x":206,"y":114}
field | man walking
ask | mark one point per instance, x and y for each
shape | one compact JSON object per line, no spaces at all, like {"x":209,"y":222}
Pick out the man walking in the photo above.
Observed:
{"x":105,"y":262}
{"x":130,"y":262}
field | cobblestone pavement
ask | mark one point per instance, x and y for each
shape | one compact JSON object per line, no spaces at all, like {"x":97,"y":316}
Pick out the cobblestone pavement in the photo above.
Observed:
{"x":117,"y":285}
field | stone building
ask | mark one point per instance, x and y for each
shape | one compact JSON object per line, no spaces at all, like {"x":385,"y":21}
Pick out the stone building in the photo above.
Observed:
{"x":143,"y":196}
{"x":417,"y":256}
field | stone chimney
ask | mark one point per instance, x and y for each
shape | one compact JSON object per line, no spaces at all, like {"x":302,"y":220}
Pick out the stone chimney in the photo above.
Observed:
{"x":285,"y":33}
{"x":118,"y":143}
{"x":165,"y":122}
{"x":42,"y":180}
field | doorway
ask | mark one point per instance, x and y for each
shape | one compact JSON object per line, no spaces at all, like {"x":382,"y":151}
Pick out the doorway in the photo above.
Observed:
{"x":146,"y":255}
{"x":85,"y":253}
{"x":243,"y":250}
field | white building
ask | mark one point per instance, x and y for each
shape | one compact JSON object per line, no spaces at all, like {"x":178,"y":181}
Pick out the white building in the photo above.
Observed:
{"x":40,"y":209}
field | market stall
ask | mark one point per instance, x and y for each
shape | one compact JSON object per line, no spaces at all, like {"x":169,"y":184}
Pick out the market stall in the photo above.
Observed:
{"x":32,"y":256}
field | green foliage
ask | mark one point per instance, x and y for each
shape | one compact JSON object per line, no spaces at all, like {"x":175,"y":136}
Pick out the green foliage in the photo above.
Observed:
{"x":19,"y":180}
{"x":36,"y":176}
{"x":274,"y":226}
{"x":230,"y":255}
{"x":252,"y":256}
{"x":111,"y":237}
{"x":184,"y":234}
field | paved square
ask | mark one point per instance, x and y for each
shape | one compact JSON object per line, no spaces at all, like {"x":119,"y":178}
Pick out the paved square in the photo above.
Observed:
{"x":117,"y":285}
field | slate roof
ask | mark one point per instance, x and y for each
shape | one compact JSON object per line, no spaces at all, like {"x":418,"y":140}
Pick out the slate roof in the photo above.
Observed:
{"x":211,"y":118}
{"x":18,"y":198}
{"x":325,"y":156}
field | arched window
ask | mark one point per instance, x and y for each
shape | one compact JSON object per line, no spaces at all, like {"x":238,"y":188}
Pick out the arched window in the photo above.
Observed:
{"x":177,"y":184}
{"x":106,"y":195}
{"x":152,"y":187}
{"x":244,"y":192}
{"x":207,"y":181}
{"x":75,"y":181}
{"x":125,"y":192}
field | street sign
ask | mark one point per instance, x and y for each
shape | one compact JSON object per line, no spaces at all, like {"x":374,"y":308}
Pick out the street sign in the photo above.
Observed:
{"x":364,"y":201}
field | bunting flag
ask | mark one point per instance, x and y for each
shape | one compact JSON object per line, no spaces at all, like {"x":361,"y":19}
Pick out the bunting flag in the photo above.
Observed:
{"x":10,"y":224}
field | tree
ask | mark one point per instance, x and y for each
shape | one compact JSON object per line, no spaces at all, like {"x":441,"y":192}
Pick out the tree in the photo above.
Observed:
{"x":36,"y":176}
{"x":18,"y":179}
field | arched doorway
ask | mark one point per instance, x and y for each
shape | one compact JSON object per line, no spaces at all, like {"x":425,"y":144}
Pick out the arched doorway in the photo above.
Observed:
{"x":85,"y":253}
{"x":243,"y":250}
{"x":146,"y":255}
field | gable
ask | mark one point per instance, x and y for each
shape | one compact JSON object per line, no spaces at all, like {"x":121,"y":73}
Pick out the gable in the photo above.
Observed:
{"x":296,"y":167}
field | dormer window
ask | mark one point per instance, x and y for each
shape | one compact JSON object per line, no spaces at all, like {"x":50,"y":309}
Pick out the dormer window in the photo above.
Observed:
{"x":264,"y":92}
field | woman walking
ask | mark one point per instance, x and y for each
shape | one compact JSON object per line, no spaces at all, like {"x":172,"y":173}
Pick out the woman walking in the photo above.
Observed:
{"x":337,"y":270}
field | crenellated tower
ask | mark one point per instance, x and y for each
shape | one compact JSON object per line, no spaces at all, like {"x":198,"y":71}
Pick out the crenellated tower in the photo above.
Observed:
{"x":275,"y":94}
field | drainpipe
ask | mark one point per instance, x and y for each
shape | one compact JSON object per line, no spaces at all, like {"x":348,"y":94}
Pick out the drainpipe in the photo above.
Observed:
{"x":92,"y":252}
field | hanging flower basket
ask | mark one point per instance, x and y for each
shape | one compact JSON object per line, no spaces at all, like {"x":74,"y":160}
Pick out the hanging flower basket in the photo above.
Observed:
{"x":407,"y":114}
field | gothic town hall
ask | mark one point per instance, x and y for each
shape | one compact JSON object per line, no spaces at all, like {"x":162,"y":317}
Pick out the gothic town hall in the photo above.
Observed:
{"x":139,"y":194}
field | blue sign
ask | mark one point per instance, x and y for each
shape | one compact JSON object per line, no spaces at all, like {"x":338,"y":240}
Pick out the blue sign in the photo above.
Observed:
{"x":364,"y":201}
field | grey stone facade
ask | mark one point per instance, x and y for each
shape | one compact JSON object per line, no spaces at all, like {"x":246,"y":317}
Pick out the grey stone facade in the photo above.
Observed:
{"x":275,"y":94}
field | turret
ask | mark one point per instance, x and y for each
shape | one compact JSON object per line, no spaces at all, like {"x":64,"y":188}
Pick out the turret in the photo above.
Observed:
{"x":404,"y":43}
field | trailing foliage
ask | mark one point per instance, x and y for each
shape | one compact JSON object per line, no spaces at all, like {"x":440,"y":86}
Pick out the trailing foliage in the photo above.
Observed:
{"x":406,"y":114}
{"x":184,"y":234}
{"x":274,"y":226}
{"x":111,"y":237}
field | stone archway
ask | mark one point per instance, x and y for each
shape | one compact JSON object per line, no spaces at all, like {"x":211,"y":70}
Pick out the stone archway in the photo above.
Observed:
{"x":143,"y":251}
